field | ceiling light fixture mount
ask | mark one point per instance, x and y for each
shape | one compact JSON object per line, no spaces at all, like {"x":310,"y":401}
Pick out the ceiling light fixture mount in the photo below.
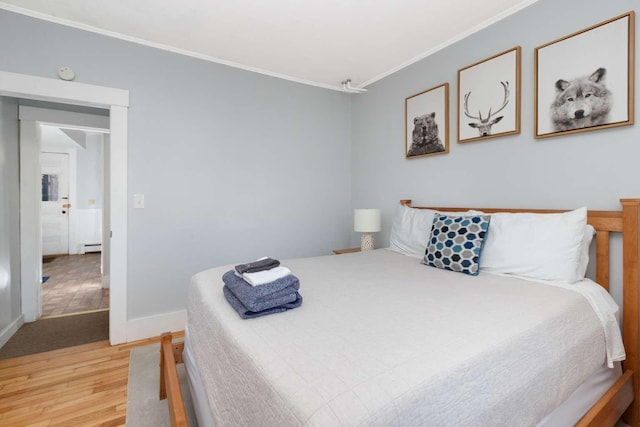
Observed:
{"x":346,"y":86}
{"x":66,"y":73}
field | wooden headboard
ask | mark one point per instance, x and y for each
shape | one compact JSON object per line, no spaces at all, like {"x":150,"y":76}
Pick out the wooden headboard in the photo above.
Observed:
{"x":625,"y":392}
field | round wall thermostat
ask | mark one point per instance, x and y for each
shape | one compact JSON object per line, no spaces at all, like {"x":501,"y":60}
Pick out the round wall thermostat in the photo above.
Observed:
{"x":66,"y":73}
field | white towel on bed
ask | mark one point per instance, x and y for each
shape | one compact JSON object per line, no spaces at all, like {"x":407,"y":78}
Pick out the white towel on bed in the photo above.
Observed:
{"x":266,"y":276}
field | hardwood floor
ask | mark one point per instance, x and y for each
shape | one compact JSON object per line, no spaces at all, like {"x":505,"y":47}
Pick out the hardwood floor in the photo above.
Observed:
{"x":76,"y":386}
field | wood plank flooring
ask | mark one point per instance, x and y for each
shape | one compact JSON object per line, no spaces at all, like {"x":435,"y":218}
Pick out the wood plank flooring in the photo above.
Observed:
{"x":77,"y":386}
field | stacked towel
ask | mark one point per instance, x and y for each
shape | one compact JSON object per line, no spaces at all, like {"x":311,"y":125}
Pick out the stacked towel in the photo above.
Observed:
{"x":263,"y":277}
{"x":260,"y":264}
{"x":254,"y":300}
{"x":248,"y":314}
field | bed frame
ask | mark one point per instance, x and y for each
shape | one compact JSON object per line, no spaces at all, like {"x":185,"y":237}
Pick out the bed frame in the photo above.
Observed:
{"x":621,"y":400}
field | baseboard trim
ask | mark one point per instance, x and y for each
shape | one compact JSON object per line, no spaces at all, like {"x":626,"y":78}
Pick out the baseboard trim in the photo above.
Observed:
{"x":11,"y":329}
{"x":152,"y":326}
{"x":106,"y":281}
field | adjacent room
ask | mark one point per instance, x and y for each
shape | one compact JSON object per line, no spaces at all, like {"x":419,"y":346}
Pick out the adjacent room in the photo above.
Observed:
{"x":364,"y":213}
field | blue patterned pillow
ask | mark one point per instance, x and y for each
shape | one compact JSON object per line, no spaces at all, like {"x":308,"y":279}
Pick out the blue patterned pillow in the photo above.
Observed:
{"x":456,"y":243}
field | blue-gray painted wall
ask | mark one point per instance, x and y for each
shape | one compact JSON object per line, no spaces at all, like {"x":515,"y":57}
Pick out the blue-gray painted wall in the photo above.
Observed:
{"x":233,"y":164}
{"x":593,"y":169}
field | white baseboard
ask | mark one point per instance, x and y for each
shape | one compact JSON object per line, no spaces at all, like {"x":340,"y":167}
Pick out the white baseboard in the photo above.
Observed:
{"x":152,"y":326}
{"x":10,"y":330}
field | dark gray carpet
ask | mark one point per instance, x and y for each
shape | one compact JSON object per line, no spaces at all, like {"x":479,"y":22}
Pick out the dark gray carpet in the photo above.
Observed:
{"x":58,"y":332}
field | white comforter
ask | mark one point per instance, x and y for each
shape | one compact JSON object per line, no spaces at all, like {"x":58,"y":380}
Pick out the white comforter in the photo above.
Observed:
{"x":383,"y":340}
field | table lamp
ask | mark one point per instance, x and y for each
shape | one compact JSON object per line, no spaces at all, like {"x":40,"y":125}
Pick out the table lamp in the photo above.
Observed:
{"x":366,"y":221}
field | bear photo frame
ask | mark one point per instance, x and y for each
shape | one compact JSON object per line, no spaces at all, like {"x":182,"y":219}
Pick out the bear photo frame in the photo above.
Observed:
{"x":584,"y":81}
{"x":427,"y":122}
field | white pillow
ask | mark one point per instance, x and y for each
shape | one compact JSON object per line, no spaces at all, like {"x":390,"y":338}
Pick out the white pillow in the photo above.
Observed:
{"x":539,"y":246}
{"x":589,"y":232}
{"x":412,"y":227}
{"x":410,"y":230}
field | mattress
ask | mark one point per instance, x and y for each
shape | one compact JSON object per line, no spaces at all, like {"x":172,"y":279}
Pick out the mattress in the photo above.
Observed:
{"x":383,"y":340}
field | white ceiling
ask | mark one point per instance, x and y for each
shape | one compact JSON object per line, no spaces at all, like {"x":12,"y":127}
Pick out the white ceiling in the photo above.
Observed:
{"x":319,"y":42}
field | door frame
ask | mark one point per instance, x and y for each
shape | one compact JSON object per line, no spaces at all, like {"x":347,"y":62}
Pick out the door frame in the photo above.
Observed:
{"x":117,"y":101}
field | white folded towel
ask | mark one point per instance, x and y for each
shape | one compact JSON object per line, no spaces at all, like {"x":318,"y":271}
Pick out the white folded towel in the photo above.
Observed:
{"x":266,"y":276}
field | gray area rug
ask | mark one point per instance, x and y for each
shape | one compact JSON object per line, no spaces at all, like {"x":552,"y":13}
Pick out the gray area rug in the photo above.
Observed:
{"x":144,"y":409}
{"x":57,"y":332}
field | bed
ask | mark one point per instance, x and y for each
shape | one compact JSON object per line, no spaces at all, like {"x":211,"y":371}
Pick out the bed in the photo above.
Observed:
{"x":383,"y":340}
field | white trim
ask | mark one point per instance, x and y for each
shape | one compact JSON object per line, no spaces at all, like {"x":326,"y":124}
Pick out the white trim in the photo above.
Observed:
{"x":30,"y":233}
{"x":152,"y":326}
{"x":118,"y":222}
{"x":161,"y":46}
{"x":80,"y":121}
{"x":11,"y":329}
{"x":451,"y":41}
{"x":90,"y":28}
{"x":43,"y":89}
{"x":117,"y":100}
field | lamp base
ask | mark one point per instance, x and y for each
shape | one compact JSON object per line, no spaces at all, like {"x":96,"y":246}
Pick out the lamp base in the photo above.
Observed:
{"x":366,"y":242}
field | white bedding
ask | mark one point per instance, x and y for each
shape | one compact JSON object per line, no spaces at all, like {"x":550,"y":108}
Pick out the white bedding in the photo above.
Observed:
{"x":383,"y":340}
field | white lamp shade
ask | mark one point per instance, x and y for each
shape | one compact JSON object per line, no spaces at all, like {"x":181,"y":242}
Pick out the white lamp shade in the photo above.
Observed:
{"x":366,"y":220}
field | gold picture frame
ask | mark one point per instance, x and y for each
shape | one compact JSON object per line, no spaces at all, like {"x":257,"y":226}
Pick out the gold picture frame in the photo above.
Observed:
{"x":489,"y":97}
{"x":427,"y":122}
{"x":585,"y":81}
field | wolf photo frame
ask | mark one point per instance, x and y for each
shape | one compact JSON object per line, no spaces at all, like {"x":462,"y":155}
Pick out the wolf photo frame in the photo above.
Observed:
{"x":489,"y":97}
{"x":585,"y":81}
{"x":427,"y":122}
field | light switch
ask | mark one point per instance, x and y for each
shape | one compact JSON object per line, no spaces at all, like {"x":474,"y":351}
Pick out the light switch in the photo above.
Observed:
{"x":138,"y":201}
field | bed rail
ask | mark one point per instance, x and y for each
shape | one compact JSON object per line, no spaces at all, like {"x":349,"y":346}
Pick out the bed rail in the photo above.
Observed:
{"x":170,"y":356}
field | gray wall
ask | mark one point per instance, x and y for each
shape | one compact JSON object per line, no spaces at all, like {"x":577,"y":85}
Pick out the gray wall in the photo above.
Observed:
{"x":593,"y":168}
{"x":233,"y":164}
{"x":9,"y":213}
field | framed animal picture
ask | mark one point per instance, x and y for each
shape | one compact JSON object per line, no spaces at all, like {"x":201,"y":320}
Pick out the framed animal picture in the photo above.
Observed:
{"x":427,"y":122}
{"x":585,"y":81}
{"x":489,"y":97}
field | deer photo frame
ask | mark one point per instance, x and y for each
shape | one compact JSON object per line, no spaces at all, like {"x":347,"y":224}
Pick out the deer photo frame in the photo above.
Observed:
{"x":489,"y":97}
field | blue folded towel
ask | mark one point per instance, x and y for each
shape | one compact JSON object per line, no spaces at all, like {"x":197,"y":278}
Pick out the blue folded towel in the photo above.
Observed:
{"x":253,"y":297}
{"x":279,"y":298}
{"x":245,"y":313}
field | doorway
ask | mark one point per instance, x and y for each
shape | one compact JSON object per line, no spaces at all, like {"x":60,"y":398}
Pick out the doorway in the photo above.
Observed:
{"x":69,"y":156}
{"x":72,"y":211}
{"x":23,"y":86}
